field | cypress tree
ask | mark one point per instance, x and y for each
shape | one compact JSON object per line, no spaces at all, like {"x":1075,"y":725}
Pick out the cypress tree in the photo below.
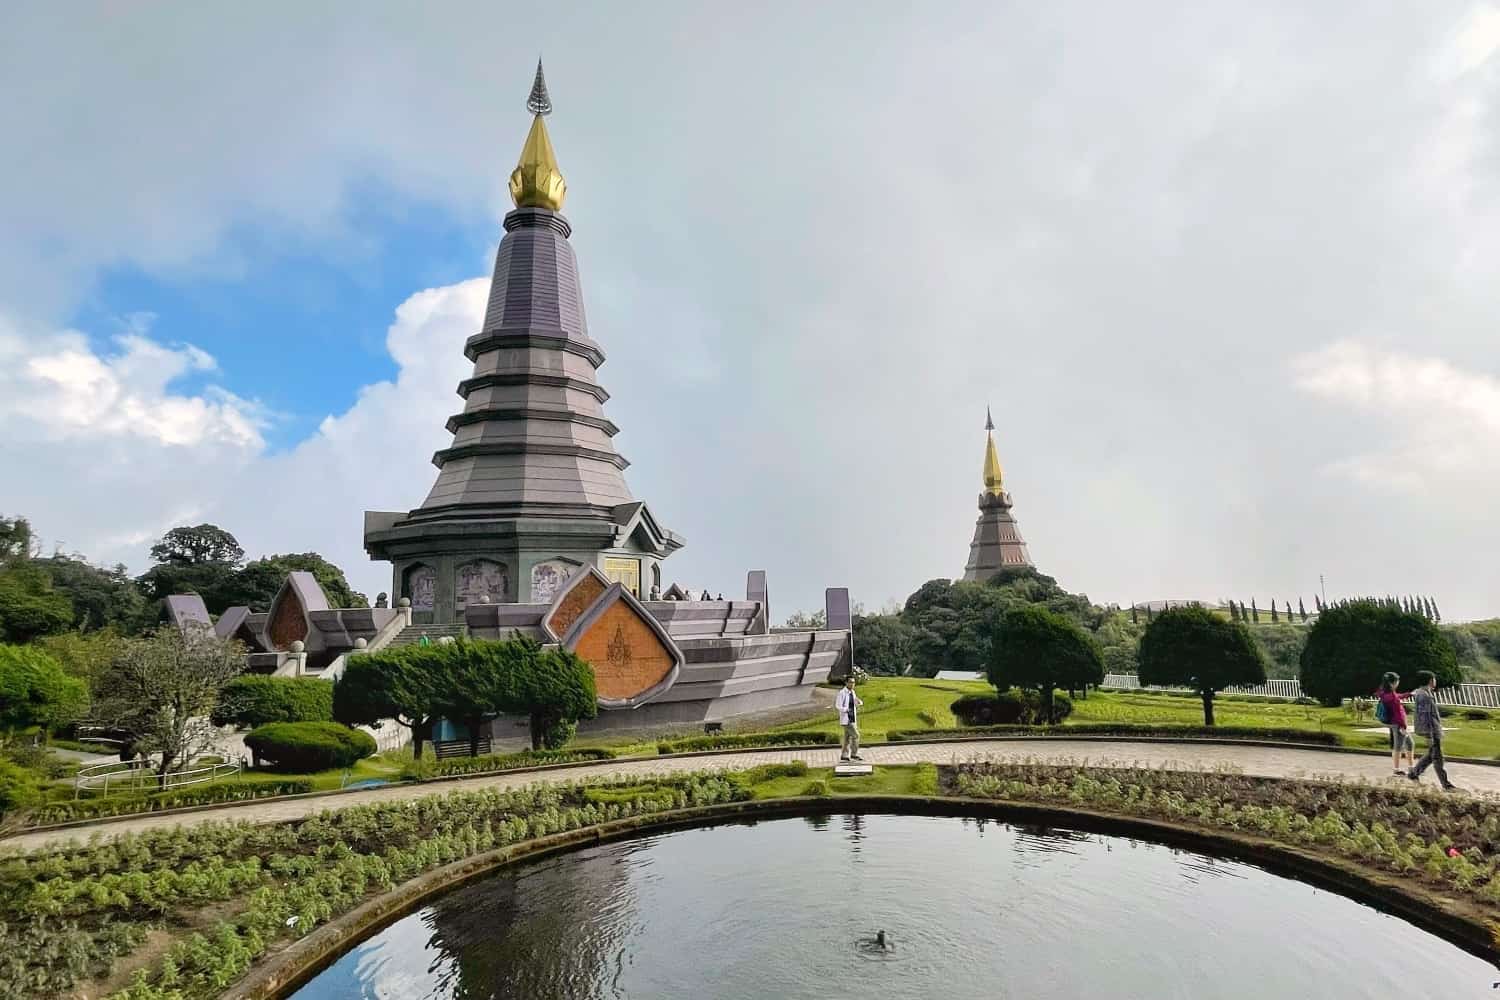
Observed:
{"x":1133,"y":619}
{"x":1436,"y":614}
{"x":1274,"y":616}
{"x":1254,"y":611}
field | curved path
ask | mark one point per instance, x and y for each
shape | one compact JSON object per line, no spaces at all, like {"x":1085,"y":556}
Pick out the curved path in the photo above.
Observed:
{"x":1268,"y":761}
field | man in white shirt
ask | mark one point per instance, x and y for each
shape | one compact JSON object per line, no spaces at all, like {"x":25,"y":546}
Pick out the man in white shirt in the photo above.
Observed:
{"x":847,"y":702}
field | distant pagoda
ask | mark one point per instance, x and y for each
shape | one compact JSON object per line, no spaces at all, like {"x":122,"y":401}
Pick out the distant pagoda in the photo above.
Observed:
{"x":997,"y":541}
{"x":531,"y":489}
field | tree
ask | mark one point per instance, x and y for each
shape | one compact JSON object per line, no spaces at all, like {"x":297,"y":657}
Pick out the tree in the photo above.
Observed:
{"x":1351,"y":646}
{"x":1254,"y":612}
{"x":1035,"y":648}
{"x":84,"y":655}
{"x":29,"y":607}
{"x":802,"y":619}
{"x":555,"y":689}
{"x":196,"y":545}
{"x":1274,"y":617}
{"x":1134,"y":620}
{"x":882,"y":643}
{"x":35,"y":691}
{"x":100,"y":597}
{"x":16,"y":539}
{"x":1302,"y":609}
{"x":256,"y":585}
{"x":1197,"y":649}
{"x":257,"y":699}
{"x":1436,"y":614}
{"x":396,"y":683}
{"x":161,"y":688}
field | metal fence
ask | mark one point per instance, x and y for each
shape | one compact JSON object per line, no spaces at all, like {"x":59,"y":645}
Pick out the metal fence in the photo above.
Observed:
{"x":134,"y":775}
{"x":1459,"y":696}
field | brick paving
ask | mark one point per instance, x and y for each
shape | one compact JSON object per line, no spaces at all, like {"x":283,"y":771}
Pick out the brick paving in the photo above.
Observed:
{"x":1279,"y":762}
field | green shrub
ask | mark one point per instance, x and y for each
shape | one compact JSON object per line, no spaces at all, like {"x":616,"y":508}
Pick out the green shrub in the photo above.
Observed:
{"x":927,"y":717}
{"x":925,"y":781}
{"x":766,"y":772}
{"x":210,"y":793}
{"x":19,"y":788}
{"x":256,"y":699}
{"x":1278,"y":734}
{"x":817,"y":789}
{"x":1004,"y":708}
{"x":309,"y":746}
{"x":458,"y":766}
{"x":1476,"y":715}
{"x":726,"y":741}
{"x":558,"y":734}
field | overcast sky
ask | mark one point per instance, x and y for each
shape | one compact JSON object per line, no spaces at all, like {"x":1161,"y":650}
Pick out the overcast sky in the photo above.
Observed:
{"x":1227,"y":274}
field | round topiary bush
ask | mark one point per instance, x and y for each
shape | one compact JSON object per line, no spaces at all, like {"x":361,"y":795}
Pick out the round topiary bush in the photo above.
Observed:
{"x":1004,"y":708}
{"x":309,"y":746}
{"x":256,"y":699}
{"x":1351,"y":647}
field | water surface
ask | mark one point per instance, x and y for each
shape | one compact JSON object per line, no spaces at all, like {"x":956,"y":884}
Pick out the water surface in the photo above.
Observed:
{"x":975,"y":909}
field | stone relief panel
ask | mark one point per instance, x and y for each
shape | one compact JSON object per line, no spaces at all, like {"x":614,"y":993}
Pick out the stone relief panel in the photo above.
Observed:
{"x":547,"y":577}
{"x":421,"y":587}
{"x":482,"y":578}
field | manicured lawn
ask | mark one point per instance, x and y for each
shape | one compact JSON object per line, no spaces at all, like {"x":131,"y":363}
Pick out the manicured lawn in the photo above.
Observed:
{"x":896,"y":779}
{"x":895,"y":703}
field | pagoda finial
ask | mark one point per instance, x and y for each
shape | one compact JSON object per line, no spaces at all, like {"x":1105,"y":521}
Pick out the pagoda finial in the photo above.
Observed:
{"x":994,"y":483}
{"x":539,"y":103}
{"x":537,"y":182}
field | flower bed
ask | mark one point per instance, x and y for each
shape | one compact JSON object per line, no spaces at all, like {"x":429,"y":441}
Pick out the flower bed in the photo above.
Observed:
{"x":211,"y":793}
{"x":452,"y":767}
{"x":66,"y":916}
{"x":730,"y":741}
{"x":1277,"y":734}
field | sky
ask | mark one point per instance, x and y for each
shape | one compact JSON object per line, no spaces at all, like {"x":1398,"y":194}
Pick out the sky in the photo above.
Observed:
{"x":1226,"y":274}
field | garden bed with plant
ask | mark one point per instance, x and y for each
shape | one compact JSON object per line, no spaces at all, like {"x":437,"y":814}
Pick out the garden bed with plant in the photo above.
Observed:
{"x":1123,"y":730}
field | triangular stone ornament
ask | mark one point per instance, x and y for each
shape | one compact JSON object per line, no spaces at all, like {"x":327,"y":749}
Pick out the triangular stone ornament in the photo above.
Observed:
{"x":288,"y":621}
{"x":580,"y":590}
{"x":633,"y":657}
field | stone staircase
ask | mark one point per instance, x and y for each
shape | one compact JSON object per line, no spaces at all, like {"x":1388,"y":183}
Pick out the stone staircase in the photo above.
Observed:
{"x":414,"y":633}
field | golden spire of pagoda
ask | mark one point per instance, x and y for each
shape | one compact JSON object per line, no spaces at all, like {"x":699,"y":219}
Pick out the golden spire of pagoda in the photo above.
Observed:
{"x":537,"y":182}
{"x":993,"y":478}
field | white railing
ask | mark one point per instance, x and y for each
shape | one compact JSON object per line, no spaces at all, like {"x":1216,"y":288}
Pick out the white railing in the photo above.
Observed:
{"x":134,"y":775}
{"x":1458,"y":696}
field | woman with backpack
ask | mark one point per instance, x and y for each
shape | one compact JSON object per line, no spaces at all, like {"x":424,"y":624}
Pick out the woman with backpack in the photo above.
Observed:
{"x":1390,"y":710}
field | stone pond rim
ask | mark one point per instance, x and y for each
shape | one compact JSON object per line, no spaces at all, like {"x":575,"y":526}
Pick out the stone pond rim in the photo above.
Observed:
{"x":1454,"y":920}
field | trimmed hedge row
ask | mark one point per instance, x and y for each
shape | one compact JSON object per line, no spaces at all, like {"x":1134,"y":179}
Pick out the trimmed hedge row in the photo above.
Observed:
{"x":729,"y":741}
{"x":1280,"y":734}
{"x":1011,"y":707}
{"x":309,"y":746}
{"x":211,"y":793}
{"x":258,"y":699}
{"x":456,"y":766}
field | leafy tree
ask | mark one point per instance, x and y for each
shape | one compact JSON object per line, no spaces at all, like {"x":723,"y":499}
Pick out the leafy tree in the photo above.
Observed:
{"x":1197,"y":649}
{"x":256,"y":585}
{"x":802,"y":619}
{"x":555,"y":689}
{"x":397,"y":683}
{"x":257,"y":699}
{"x":1465,"y":646}
{"x":883,"y":644}
{"x":1351,"y":646}
{"x":196,"y":545}
{"x":100,"y":597}
{"x":16,"y":539}
{"x":29,"y":607}
{"x":1040,"y":649}
{"x":34,"y":691}
{"x":84,"y":655}
{"x":162,"y":687}
{"x":211,"y":581}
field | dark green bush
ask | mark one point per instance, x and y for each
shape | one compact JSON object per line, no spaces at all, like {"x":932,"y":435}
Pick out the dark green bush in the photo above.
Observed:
{"x":727,"y":741}
{"x":19,"y":787}
{"x":1476,"y":715}
{"x":1278,"y":734}
{"x":1004,"y":708}
{"x":309,"y":746}
{"x":255,"y":699}
{"x":457,"y":766}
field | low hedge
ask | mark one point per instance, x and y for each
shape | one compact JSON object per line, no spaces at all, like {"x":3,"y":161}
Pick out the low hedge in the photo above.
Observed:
{"x":210,"y":793}
{"x":1278,"y":734}
{"x":1012,"y":707}
{"x":309,"y":746}
{"x":455,"y":766}
{"x":729,"y":741}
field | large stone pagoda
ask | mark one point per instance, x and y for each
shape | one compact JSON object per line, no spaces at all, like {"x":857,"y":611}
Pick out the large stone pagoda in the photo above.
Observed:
{"x":532,"y":488}
{"x":997,"y":540}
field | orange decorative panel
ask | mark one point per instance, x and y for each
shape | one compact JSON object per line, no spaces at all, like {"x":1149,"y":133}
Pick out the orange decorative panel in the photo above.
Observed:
{"x":288,"y":622}
{"x":627,"y":656}
{"x":578,"y":600}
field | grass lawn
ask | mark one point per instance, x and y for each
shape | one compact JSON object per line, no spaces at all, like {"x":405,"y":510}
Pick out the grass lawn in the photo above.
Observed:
{"x":894,"y":703}
{"x":898,"y":779}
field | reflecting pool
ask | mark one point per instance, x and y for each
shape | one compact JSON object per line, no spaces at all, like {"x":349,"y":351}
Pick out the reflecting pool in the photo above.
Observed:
{"x":791,"y":907}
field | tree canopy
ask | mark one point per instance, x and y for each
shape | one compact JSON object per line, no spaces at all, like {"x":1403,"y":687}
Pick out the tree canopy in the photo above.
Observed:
{"x":1352,"y":645}
{"x":194,"y":545}
{"x":35,"y":691}
{"x":399,"y":683}
{"x":1042,"y":650}
{"x":258,"y":699}
{"x":1196,"y":648}
{"x":101,"y":597}
{"x":29,"y":606}
{"x":882,"y":643}
{"x":255,"y":586}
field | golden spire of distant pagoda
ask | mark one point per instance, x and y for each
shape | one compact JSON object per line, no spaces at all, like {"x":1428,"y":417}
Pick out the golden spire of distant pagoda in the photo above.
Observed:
{"x":537,"y":182}
{"x":993,"y":479}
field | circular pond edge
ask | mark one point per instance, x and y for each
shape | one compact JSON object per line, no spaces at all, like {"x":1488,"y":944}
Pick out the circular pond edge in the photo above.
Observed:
{"x":1449,"y":917}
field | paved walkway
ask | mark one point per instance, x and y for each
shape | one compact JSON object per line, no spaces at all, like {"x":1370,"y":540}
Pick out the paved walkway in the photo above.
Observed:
{"x":1277,"y":762}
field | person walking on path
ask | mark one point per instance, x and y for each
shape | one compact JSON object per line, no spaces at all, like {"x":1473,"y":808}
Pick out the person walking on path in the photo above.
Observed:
{"x":1430,"y":725}
{"x":1393,"y":714}
{"x":847,"y":702}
